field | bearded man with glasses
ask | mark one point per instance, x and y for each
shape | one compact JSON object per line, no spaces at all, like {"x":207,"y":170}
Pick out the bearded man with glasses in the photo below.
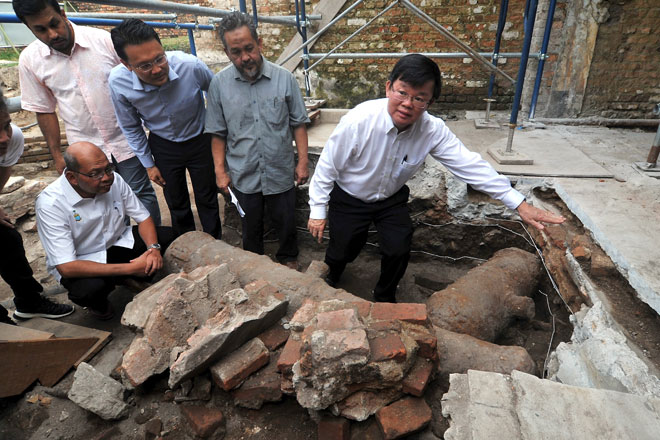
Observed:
{"x":374,"y":150}
{"x":80,"y":220}
{"x":164,"y":91}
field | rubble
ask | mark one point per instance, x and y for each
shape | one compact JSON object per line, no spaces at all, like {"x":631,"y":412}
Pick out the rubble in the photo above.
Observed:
{"x":230,"y":371}
{"x":348,"y":352}
{"x":98,"y":393}
{"x":18,"y":198}
{"x":403,"y":417}
{"x":204,"y":421}
{"x":484,"y":301}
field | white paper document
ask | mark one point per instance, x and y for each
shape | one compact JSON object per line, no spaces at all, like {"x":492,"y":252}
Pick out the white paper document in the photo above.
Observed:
{"x":234,"y":200}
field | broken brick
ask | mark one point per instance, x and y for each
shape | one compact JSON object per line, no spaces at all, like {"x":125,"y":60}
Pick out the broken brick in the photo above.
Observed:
{"x":581,"y":253}
{"x":334,"y":428}
{"x":415,"y":313}
{"x":231,"y":371}
{"x":363,"y":308}
{"x":346,"y":319}
{"x":388,"y":347}
{"x":418,"y":377}
{"x":262,"y":387}
{"x":203,"y":421}
{"x":403,"y":417}
{"x":274,"y":337}
{"x":290,"y":355}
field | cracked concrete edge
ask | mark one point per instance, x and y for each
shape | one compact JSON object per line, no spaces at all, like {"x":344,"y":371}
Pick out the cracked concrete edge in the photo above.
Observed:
{"x":644,"y":291}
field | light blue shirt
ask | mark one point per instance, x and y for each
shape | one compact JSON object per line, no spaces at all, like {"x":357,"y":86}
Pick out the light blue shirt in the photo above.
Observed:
{"x":174,"y":111}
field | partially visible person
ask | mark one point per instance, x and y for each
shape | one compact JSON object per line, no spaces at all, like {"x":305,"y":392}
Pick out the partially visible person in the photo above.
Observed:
{"x":67,"y":69}
{"x":255,"y":111}
{"x":163,"y":91}
{"x":80,"y":219}
{"x":362,"y":173}
{"x":14,"y":267}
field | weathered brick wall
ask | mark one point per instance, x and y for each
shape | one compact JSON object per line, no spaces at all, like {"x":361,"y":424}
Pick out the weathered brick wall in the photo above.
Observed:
{"x":624,"y":79}
{"x":162,"y":32}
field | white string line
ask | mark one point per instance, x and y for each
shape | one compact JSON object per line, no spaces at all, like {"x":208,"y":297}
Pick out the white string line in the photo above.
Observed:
{"x":552,"y":336}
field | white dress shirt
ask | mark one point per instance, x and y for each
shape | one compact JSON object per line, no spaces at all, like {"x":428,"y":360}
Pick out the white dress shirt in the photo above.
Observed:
{"x":73,"y":228}
{"x":14,"y":149}
{"x":370,"y":160}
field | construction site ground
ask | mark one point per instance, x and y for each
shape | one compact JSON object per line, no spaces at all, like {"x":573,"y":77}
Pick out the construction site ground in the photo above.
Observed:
{"x":592,"y":171}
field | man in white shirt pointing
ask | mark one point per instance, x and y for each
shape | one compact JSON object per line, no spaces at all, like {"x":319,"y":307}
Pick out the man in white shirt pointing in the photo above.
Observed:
{"x":369,"y":157}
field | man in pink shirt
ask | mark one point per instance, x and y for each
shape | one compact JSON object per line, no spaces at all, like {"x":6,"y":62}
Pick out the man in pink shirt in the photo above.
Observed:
{"x":68,"y":68}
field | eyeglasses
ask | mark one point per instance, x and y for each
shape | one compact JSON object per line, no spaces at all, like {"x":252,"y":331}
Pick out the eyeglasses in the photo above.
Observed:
{"x":402,"y":96}
{"x":146,"y":67}
{"x":98,"y":175}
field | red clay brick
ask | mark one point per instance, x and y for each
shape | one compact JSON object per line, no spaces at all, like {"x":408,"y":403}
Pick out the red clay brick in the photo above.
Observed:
{"x":290,"y":355}
{"x":346,"y":319}
{"x":418,"y":377}
{"x":334,"y":428}
{"x":363,"y":308}
{"x":305,"y":313}
{"x":232,"y":370}
{"x":386,"y":348}
{"x":260,"y":388}
{"x":581,"y":253}
{"x":427,"y":343}
{"x":274,"y":337}
{"x":415,"y":313}
{"x":403,"y":417}
{"x":203,"y":421}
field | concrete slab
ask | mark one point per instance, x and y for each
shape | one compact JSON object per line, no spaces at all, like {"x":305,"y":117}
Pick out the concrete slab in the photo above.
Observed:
{"x":522,"y":406}
{"x":622,"y":218}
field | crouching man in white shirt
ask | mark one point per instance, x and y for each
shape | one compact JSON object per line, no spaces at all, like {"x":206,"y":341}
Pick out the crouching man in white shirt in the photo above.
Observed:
{"x":367,"y":161}
{"x":80,"y":219}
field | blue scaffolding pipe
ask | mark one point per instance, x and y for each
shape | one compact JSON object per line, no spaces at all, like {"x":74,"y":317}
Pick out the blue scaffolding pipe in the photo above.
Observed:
{"x":191,"y":40}
{"x":242,"y":6}
{"x":542,"y":58}
{"x":301,"y":26}
{"x":12,"y":18}
{"x":504,"y":6}
{"x":254,"y":13}
{"x":529,"y":28}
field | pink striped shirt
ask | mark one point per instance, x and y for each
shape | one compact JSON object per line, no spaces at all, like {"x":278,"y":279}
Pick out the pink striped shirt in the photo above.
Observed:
{"x":78,"y":86}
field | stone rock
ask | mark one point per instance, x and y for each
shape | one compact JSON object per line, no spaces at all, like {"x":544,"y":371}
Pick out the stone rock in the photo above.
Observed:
{"x":13,"y":183}
{"x":334,"y":428}
{"x":21,"y":201}
{"x":403,"y":417}
{"x":29,"y":226}
{"x":264,"y":386}
{"x":483,"y":302}
{"x":97,"y":393}
{"x":204,"y":421}
{"x":197,"y":389}
{"x":353,"y":354}
{"x":602,"y":265}
{"x":317,"y":269}
{"x":479,"y":404}
{"x":168,"y":313}
{"x":152,"y":429}
{"x":581,"y":253}
{"x":240,"y":320}
{"x":363,"y":404}
{"x":232,"y":370}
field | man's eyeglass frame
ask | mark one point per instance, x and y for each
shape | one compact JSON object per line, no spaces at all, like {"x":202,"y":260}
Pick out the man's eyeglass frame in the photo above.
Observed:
{"x":160,"y":61}
{"x":106,"y":171}
{"x":417,"y":102}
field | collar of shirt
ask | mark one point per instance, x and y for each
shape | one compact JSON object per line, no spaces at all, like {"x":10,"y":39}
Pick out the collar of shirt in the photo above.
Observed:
{"x":139,"y":85}
{"x":79,"y":39}
{"x":70,"y":194}
{"x":266,"y":70}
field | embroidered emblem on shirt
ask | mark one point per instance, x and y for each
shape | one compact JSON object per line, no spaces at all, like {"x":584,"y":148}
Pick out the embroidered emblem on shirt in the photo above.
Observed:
{"x":76,"y":216}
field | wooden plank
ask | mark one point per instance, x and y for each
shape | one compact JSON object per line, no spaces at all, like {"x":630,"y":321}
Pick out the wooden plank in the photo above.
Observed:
{"x":10,"y":332}
{"x":65,"y":330}
{"x":328,"y":9}
{"x":23,"y":362}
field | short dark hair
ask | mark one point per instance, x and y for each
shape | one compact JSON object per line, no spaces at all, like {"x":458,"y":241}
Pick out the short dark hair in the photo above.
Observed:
{"x":70,"y":162}
{"x":234,"y":21}
{"x":131,"y":32}
{"x":23,"y":8}
{"x":417,"y":70}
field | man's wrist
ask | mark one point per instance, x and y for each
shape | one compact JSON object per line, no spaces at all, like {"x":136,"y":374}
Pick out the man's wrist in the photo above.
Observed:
{"x":154,"y":246}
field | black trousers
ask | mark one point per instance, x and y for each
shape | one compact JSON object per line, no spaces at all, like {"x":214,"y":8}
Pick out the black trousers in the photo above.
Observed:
{"x":282,"y":215}
{"x":93,"y":292}
{"x":194,"y":155}
{"x":16,"y":271}
{"x":349,"y":220}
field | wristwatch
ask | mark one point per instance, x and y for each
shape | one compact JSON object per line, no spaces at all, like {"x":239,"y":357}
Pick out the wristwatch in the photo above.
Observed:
{"x":154,"y":246}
